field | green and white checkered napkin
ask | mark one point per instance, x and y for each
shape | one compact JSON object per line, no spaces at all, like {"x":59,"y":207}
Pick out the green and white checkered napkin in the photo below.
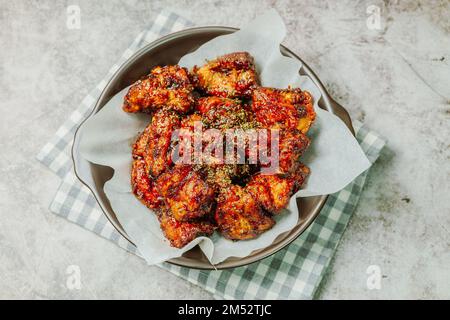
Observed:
{"x":292,"y":273}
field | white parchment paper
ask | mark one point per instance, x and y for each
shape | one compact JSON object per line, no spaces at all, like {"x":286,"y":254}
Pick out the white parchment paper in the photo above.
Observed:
{"x":335,"y":157}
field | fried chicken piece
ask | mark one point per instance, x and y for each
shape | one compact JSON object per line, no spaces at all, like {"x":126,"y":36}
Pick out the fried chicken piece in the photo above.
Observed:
{"x":140,"y":145}
{"x":287,"y":108}
{"x":186,"y":193}
{"x":211,"y":143}
{"x":300,"y":174}
{"x":223,"y":113}
{"x":181,"y":233}
{"x":143,"y":186}
{"x":183,"y":148}
{"x":157,"y":155}
{"x":232,"y":75}
{"x":273,"y":192}
{"x":168,"y":86}
{"x":239,"y":216}
{"x":291,"y":146}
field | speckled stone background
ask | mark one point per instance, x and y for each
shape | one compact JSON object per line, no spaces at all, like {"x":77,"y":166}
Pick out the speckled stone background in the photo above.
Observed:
{"x":396,"y":79}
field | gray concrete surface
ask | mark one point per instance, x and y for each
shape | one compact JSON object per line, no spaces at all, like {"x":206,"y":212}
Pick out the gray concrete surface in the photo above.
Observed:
{"x":395,"y":78}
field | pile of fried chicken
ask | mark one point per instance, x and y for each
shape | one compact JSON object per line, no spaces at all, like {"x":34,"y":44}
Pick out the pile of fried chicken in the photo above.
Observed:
{"x":238,"y":200}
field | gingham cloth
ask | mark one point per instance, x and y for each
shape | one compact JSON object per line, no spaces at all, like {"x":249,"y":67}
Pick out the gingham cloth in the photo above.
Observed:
{"x":292,"y":273}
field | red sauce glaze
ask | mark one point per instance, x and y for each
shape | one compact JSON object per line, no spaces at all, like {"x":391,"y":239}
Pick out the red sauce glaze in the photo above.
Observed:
{"x":237,"y":199}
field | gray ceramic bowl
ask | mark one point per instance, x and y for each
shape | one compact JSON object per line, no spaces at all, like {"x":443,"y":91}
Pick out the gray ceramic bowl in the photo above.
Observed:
{"x":168,"y":50}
